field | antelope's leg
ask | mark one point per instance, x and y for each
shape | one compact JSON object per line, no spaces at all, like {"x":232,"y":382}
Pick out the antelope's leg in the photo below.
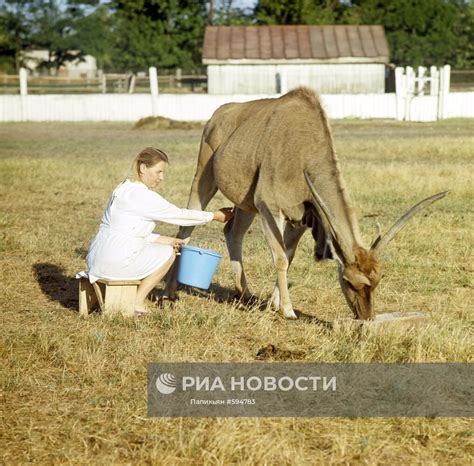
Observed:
{"x":203,"y":190}
{"x":204,"y":185}
{"x":234,"y":234}
{"x":273,"y":228}
{"x":291,"y":238}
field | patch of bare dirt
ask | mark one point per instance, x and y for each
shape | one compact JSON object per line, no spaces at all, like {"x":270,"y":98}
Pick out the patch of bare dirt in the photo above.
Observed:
{"x":272,"y":352}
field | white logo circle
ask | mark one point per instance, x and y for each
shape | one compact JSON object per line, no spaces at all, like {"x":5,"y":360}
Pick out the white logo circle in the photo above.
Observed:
{"x":166,"y":383}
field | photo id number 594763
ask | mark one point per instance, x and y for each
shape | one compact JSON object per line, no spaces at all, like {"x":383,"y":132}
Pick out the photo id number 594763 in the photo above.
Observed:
{"x":243,"y":401}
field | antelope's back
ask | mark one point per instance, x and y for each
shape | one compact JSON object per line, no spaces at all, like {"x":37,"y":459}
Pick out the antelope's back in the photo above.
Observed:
{"x":269,"y":138}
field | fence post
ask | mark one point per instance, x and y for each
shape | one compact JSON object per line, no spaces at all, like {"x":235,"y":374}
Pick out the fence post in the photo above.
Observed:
{"x":410,"y":91}
{"x":24,"y":93}
{"x":131,"y":83}
{"x":400,"y":92}
{"x":178,"y":78}
{"x":152,"y":73}
{"x":23,"y":81}
{"x":421,"y":80}
{"x":434,"y":76}
{"x":102,"y":82}
{"x":444,"y":83}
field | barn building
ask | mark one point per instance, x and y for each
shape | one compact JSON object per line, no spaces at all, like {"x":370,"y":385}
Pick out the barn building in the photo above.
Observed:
{"x":273,"y":59}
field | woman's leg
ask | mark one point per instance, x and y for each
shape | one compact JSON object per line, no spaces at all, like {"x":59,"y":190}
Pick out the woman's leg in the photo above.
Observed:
{"x":148,"y":283}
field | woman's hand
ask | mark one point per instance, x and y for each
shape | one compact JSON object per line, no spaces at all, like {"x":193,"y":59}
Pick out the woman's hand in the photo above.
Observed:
{"x":176,"y":243}
{"x":224,"y":215}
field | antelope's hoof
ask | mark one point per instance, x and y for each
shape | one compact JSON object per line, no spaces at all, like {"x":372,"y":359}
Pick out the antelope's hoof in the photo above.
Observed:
{"x":290,"y":314}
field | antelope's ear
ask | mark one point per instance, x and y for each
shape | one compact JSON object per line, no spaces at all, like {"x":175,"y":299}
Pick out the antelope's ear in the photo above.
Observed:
{"x":356,"y":279}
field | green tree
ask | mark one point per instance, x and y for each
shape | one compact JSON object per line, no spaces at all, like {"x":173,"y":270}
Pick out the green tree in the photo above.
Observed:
{"x":162,"y":33}
{"x":282,"y":12}
{"x":420,"y":32}
{"x":14,"y":33}
{"x":94,"y":35}
{"x":225,"y":13}
{"x":463,"y":55}
{"x":53,"y":26}
{"x":42,"y":24}
{"x":299,"y":11}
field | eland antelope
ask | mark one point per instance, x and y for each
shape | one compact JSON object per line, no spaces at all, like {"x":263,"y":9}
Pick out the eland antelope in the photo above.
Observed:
{"x":276,"y":157}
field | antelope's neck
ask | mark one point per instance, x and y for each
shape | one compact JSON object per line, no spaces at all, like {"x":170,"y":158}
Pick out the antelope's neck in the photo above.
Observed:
{"x":328,"y":180}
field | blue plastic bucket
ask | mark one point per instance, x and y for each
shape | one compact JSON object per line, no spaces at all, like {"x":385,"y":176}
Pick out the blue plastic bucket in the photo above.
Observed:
{"x":197,"y":266}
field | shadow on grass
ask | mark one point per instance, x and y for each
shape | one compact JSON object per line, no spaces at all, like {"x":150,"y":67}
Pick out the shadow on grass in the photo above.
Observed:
{"x":216,"y":292}
{"x":56,"y":285}
{"x":221,"y":294}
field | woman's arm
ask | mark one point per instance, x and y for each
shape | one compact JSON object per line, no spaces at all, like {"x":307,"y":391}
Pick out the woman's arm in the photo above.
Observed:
{"x":154,"y":207}
{"x":222,"y":215}
{"x":176,"y":243}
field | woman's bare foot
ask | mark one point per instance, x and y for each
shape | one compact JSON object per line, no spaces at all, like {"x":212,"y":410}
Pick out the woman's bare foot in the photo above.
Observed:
{"x":141,"y":309}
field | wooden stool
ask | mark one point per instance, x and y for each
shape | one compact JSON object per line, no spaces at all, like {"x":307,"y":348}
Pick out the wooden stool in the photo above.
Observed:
{"x":111,"y":296}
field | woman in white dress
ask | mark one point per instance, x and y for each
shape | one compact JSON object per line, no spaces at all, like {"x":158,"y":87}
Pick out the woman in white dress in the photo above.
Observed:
{"x":125,"y":248}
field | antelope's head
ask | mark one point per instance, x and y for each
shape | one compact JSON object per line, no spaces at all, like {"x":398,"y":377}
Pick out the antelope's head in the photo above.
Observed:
{"x":359,"y":268}
{"x":358,"y":280}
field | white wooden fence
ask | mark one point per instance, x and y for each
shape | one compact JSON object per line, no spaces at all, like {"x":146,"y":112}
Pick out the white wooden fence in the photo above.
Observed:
{"x":412,"y":101}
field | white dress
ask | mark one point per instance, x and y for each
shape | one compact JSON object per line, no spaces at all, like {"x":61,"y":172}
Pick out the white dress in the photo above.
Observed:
{"x":123,"y":249}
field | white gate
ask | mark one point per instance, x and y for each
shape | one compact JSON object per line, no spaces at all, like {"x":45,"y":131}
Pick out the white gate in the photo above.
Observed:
{"x":422,"y":96}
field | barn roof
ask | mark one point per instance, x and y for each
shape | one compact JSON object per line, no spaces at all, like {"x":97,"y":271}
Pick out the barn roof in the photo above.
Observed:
{"x":295,"y":44}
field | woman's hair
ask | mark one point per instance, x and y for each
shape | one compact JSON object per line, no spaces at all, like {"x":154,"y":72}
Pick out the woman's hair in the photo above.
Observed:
{"x":149,"y":156}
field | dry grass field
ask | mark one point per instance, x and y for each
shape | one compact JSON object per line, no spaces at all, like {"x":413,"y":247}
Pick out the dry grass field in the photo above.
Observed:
{"x":74,"y":390}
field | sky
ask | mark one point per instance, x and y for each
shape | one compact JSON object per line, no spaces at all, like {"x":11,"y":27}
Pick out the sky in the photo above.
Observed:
{"x":244,"y":3}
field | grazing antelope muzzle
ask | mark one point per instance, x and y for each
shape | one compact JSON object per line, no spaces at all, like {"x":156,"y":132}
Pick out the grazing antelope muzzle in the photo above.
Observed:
{"x":358,"y":281}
